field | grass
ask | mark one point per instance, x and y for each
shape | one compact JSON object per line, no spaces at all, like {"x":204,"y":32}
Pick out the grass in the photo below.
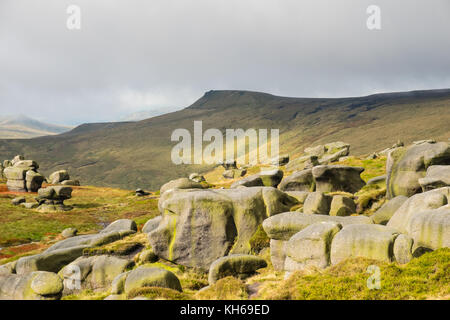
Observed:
{"x":228,"y":288}
{"x":122,"y":247}
{"x":426,"y":277}
{"x":156,"y":293}
{"x":373,"y":167}
{"x":94,"y":208}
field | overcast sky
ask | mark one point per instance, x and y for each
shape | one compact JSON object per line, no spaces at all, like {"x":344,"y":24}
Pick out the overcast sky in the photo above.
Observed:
{"x":134,"y":55}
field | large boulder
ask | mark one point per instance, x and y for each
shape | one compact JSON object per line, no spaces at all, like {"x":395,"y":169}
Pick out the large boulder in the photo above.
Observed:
{"x":34,"y":181}
{"x":59,"y":176}
{"x":236,"y":265}
{"x":298,"y":181}
{"x":121,"y":225}
{"x":96,"y":272}
{"x":38,"y":285}
{"x":150,"y":277}
{"x":152,"y":224}
{"x":317,"y":203}
{"x":436,"y":177}
{"x":403,"y":248}
{"x":406,"y":165}
{"x":385,"y":213}
{"x":16,"y":178}
{"x":200,"y":226}
{"x":311,"y":246}
{"x":283,"y":226}
{"x":266,"y":178}
{"x":181,"y":183}
{"x":338,"y":178}
{"x":370,"y":241}
{"x":342,"y":206}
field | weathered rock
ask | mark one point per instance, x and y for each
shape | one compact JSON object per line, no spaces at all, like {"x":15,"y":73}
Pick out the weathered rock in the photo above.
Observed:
{"x":436,"y":177}
{"x":33,"y":286}
{"x":55,"y":193}
{"x":17,"y":159}
{"x":69,"y":232}
{"x":299,"y":195}
{"x":377,"y":180}
{"x":406,"y":165}
{"x":342,"y":206}
{"x":74,"y":183}
{"x":16,"y":178}
{"x":198,"y":227}
{"x":385,"y":213}
{"x":317,"y":203}
{"x":152,"y":224}
{"x":29,"y":205}
{"x":311,"y":246}
{"x":151,"y":277}
{"x":229,"y":164}
{"x":16,"y":185}
{"x":182,"y":183}
{"x":299,"y":181}
{"x":146,"y":256}
{"x":7,"y":163}
{"x":228,"y":174}
{"x":34,"y":181}
{"x":278,"y":253}
{"x":59,"y":176}
{"x":284,"y":225}
{"x":27,"y":164}
{"x":18,"y":200}
{"x":370,"y":241}
{"x":403,"y":247}
{"x":8,"y":268}
{"x":196,"y":177}
{"x":96,"y":272}
{"x":236,"y":265}
{"x":121,"y":225}
{"x":266,"y":178}
{"x":118,"y":284}
{"x":338,"y":178}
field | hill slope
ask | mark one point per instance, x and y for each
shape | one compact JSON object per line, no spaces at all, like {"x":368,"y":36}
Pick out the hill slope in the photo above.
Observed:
{"x":132,"y":154}
{"x":22,"y":127}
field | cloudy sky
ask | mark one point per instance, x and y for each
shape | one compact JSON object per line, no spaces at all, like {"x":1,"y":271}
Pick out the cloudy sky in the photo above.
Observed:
{"x":134,"y":55}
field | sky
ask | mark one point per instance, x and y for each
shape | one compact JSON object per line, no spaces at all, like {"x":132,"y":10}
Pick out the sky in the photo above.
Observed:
{"x":162,"y":55}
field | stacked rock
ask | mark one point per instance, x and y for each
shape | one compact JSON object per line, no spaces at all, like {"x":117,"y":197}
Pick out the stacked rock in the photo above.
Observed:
{"x":52,"y":198}
{"x":22,"y":175}
{"x":62,"y":177}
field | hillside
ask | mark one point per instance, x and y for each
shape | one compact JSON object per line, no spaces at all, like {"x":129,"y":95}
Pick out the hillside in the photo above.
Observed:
{"x":23,"y":127}
{"x":137,"y":154}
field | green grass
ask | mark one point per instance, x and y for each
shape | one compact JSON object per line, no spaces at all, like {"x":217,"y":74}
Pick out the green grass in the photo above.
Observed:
{"x":426,"y":277}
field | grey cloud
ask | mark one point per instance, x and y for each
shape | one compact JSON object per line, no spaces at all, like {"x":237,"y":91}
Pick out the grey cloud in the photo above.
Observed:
{"x":135,"y":55}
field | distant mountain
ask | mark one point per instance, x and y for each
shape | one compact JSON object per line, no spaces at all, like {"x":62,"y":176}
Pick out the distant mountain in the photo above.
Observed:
{"x":138,"y":154}
{"x":23,"y":127}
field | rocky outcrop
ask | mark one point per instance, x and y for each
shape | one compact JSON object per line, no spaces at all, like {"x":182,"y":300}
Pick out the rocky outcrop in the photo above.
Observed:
{"x":22,"y":175}
{"x":320,"y":155}
{"x":59,"y":176}
{"x":342,"y":206}
{"x":367,"y":241}
{"x":236,"y":265}
{"x":436,"y":177}
{"x":266,"y":178}
{"x":152,"y":224}
{"x":298,"y":181}
{"x":385,"y":213}
{"x":406,"y":165}
{"x":52,"y":198}
{"x":38,"y":285}
{"x":317,"y":203}
{"x":338,"y":178}
{"x":181,"y":183}
{"x":200,"y":226}
{"x":149,"y":277}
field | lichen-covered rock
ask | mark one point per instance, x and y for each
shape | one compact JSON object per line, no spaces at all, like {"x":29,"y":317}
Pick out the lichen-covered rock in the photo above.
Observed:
{"x":377,"y":180}
{"x":196,"y":177}
{"x":299,"y":195}
{"x":426,"y":201}
{"x":278,"y":253}
{"x":121,"y":225}
{"x":436,"y":177}
{"x":370,"y":241}
{"x":38,"y":285}
{"x":59,"y":176}
{"x":69,"y":232}
{"x":406,"y":165}
{"x":96,"y":272}
{"x":317,"y":203}
{"x":385,"y":213}
{"x":298,"y":181}
{"x":236,"y":265}
{"x":267,"y":178}
{"x":198,"y":227}
{"x":151,"y":224}
{"x":338,"y":178}
{"x":18,"y":200}
{"x":33,"y":180}
{"x":342,"y":206}
{"x":146,"y":256}
{"x":284,"y":225}
{"x":151,"y":277}
{"x":181,"y":183}
{"x":403,"y":248}
{"x":311,"y":246}
{"x":74,"y":183}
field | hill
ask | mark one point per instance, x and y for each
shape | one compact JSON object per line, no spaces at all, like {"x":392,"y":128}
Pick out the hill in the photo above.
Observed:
{"x":137,"y":154}
{"x":23,"y":127}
